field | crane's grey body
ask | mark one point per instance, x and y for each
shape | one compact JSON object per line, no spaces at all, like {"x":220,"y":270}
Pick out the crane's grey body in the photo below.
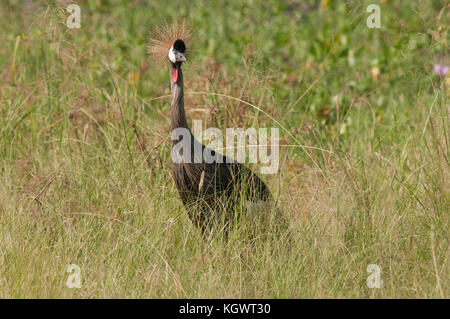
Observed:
{"x":209,"y":191}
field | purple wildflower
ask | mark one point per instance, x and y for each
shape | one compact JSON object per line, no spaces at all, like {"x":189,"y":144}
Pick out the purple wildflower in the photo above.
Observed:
{"x":441,"y":70}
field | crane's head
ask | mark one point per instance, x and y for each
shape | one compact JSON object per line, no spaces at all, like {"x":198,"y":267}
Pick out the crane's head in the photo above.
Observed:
{"x":176,"y":57}
{"x":175,"y":36}
{"x":176,"y":52}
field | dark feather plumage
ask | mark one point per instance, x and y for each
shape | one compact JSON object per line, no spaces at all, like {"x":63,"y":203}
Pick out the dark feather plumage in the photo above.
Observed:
{"x":210,"y":191}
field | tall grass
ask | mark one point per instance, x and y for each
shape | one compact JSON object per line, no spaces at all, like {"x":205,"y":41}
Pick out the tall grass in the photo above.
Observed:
{"x":85,"y":150}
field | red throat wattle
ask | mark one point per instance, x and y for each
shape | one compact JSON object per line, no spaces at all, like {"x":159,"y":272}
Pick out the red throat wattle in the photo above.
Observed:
{"x":175,"y":75}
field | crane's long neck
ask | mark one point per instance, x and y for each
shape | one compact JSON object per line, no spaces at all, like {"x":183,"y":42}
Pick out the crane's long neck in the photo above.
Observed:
{"x":177,"y":99}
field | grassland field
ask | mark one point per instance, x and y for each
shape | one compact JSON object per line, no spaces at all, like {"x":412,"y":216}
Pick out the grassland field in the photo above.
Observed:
{"x":85,"y":149}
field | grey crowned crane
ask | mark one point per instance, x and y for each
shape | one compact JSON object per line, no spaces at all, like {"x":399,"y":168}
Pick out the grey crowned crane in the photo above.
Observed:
{"x":210,"y":190}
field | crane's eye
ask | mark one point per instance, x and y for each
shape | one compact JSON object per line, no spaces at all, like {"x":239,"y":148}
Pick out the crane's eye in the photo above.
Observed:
{"x":179,"y":46}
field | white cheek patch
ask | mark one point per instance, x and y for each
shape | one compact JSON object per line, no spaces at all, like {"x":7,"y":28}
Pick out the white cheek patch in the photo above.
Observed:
{"x":180,"y":57}
{"x":172,"y":56}
{"x":175,"y":56}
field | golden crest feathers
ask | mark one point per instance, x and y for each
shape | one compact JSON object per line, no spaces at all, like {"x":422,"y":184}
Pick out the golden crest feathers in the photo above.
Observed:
{"x":163,"y":37}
